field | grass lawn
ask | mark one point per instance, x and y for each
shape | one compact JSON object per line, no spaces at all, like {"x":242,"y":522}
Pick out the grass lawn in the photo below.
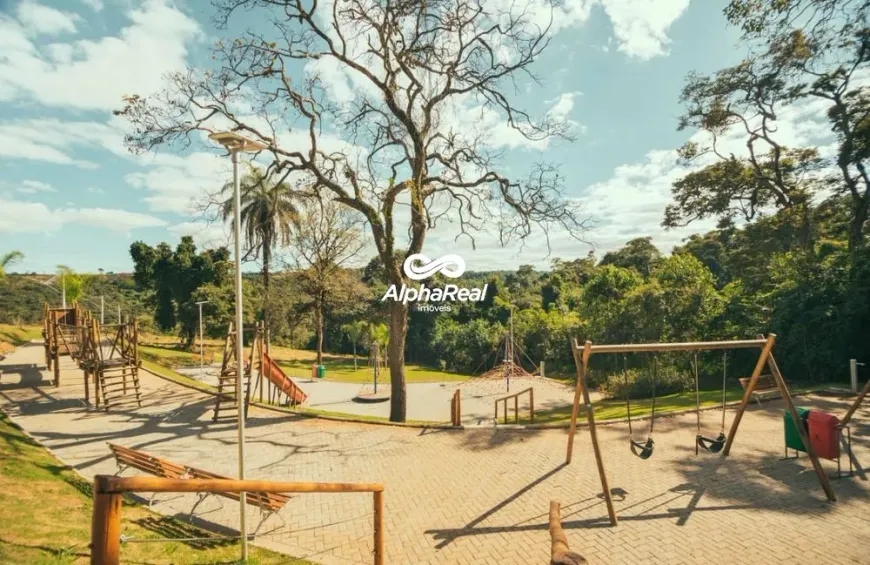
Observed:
{"x":46,"y":516}
{"x":340,"y":369}
{"x":295,"y":362}
{"x":16,"y":335}
{"x":610,"y":409}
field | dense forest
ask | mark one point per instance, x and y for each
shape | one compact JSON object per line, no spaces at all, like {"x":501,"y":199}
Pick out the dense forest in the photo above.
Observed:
{"x":790,"y":274}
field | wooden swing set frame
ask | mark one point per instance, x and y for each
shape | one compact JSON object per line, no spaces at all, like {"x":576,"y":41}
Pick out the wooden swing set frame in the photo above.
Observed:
{"x":582,"y":353}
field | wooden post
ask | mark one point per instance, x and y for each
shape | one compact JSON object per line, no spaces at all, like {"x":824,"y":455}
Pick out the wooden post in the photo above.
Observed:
{"x":87,"y":386}
{"x":56,"y":365}
{"x":379,"y":527}
{"x":531,"y":405}
{"x":582,"y":363}
{"x":560,"y":553}
{"x":845,"y":420}
{"x":516,"y":409}
{"x":808,"y":446}
{"x":105,"y":525}
{"x":575,"y":407}
{"x":747,"y":394}
{"x":458,"y":407}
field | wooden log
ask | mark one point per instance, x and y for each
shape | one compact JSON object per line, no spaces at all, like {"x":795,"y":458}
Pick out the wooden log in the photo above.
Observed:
{"x":560,"y":553}
{"x":105,"y":525}
{"x":685,"y":346}
{"x":747,"y":392}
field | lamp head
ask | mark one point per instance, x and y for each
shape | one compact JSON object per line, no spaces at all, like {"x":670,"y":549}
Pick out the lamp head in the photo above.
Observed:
{"x":235,"y":142}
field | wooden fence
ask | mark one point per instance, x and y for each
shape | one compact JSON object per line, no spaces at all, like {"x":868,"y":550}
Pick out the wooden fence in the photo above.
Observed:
{"x":108,"y":490}
{"x":516,"y":398}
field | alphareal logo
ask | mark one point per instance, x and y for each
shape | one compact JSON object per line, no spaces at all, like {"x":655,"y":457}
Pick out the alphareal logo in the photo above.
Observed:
{"x":419,"y":267}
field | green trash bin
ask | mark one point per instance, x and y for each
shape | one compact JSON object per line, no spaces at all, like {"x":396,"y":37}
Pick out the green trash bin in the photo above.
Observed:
{"x":792,"y":437}
{"x":321,"y":371}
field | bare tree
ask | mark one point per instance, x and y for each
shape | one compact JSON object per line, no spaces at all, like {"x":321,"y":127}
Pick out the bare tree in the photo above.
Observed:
{"x":326,"y":238}
{"x":410,"y":141}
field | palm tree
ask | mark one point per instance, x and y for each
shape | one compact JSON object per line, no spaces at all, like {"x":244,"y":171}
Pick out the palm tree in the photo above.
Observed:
{"x":8,"y":260}
{"x":268,"y":213}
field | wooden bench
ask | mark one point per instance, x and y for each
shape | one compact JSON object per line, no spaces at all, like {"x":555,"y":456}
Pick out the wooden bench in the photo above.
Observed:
{"x":765,"y":387}
{"x":125,"y":457}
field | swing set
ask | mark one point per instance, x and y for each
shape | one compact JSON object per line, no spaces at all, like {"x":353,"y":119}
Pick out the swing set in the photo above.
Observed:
{"x":721,"y":443}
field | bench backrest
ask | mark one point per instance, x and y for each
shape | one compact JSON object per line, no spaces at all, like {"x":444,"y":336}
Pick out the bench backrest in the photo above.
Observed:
{"x":765,"y":382}
{"x":163,"y":468}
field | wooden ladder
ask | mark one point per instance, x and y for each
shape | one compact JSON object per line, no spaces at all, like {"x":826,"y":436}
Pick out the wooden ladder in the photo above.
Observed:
{"x":118,"y":385}
{"x":226,"y":404}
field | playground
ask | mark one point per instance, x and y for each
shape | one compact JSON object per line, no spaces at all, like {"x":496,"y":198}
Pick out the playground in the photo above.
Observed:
{"x":473,"y":495}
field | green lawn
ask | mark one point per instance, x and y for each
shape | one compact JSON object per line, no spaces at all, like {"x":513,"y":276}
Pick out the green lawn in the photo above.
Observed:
{"x":173,"y":355}
{"x":16,"y":335}
{"x":340,"y":369}
{"x":46,"y":516}
{"x":296,"y":363}
{"x":614,"y":409}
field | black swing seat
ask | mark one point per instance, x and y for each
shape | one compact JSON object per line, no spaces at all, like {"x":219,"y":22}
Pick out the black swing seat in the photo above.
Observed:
{"x":644,"y":450}
{"x":713,"y":445}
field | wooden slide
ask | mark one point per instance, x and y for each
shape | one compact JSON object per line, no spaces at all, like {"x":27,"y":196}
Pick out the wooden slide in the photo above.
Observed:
{"x":286,"y":385}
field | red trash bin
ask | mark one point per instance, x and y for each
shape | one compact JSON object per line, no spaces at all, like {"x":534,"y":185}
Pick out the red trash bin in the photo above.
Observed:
{"x":823,"y":434}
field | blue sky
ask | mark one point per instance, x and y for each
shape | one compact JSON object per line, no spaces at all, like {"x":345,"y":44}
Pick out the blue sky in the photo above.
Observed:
{"x":71,"y":194}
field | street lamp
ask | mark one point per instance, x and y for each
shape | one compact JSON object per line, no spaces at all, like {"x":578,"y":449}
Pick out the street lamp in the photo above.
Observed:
{"x":235,"y":144}
{"x":201,"y":341}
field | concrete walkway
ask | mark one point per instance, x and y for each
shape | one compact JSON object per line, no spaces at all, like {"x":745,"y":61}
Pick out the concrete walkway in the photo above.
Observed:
{"x":479,"y":495}
{"x":429,"y":402}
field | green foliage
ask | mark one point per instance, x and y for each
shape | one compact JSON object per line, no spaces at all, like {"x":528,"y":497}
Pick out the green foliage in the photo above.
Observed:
{"x":638,"y":383}
{"x":638,"y":254}
{"x":8,"y":260}
{"x":174,"y":277}
{"x":465,"y":347}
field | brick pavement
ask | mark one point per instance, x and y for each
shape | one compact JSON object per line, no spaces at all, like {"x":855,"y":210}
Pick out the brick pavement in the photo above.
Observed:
{"x":479,"y":495}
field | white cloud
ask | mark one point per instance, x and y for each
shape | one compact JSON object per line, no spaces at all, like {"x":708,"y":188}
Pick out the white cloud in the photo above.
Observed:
{"x":40,"y":19}
{"x":641,"y":26}
{"x":21,"y":216}
{"x":95,"y":5}
{"x":174,"y":183}
{"x":99,"y":72}
{"x":54,"y":141}
{"x":33,"y":187}
{"x":205,"y":235}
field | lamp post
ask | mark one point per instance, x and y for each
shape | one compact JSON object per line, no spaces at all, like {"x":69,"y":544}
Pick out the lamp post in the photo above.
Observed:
{"x":235,"y":144}
{"x":201,"y":346}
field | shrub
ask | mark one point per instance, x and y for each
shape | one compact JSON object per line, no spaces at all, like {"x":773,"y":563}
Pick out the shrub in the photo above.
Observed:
{"x":670,"y":380}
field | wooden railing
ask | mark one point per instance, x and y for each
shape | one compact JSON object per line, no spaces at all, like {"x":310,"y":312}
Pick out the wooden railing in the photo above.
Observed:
{"x":516,"y":397}
{"x":106,"y":522}
{"x":456,"y":408}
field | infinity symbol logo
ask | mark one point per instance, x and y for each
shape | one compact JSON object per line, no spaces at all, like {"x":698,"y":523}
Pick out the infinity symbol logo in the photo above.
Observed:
{"x":419,"y":267}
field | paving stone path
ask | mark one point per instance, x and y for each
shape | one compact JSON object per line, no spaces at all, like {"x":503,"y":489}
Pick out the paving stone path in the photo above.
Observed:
{"x":479,"y":495}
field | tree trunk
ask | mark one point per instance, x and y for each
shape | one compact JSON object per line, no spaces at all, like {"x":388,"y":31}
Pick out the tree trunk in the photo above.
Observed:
{"x":318,"y":320}
{"x":354,"y":356}
{"x":396,"y":357}
{"x":267,"y":257}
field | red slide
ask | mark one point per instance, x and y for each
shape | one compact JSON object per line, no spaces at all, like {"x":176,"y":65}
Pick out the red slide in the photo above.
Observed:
{"x":274,"y":373}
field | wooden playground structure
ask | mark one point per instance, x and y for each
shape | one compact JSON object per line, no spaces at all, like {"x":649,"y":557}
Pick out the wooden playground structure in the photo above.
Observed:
{"x":107,"y":354}
{"x":278,"y":388}
{"x":61,"y":334}
{"x":582,"y":354}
